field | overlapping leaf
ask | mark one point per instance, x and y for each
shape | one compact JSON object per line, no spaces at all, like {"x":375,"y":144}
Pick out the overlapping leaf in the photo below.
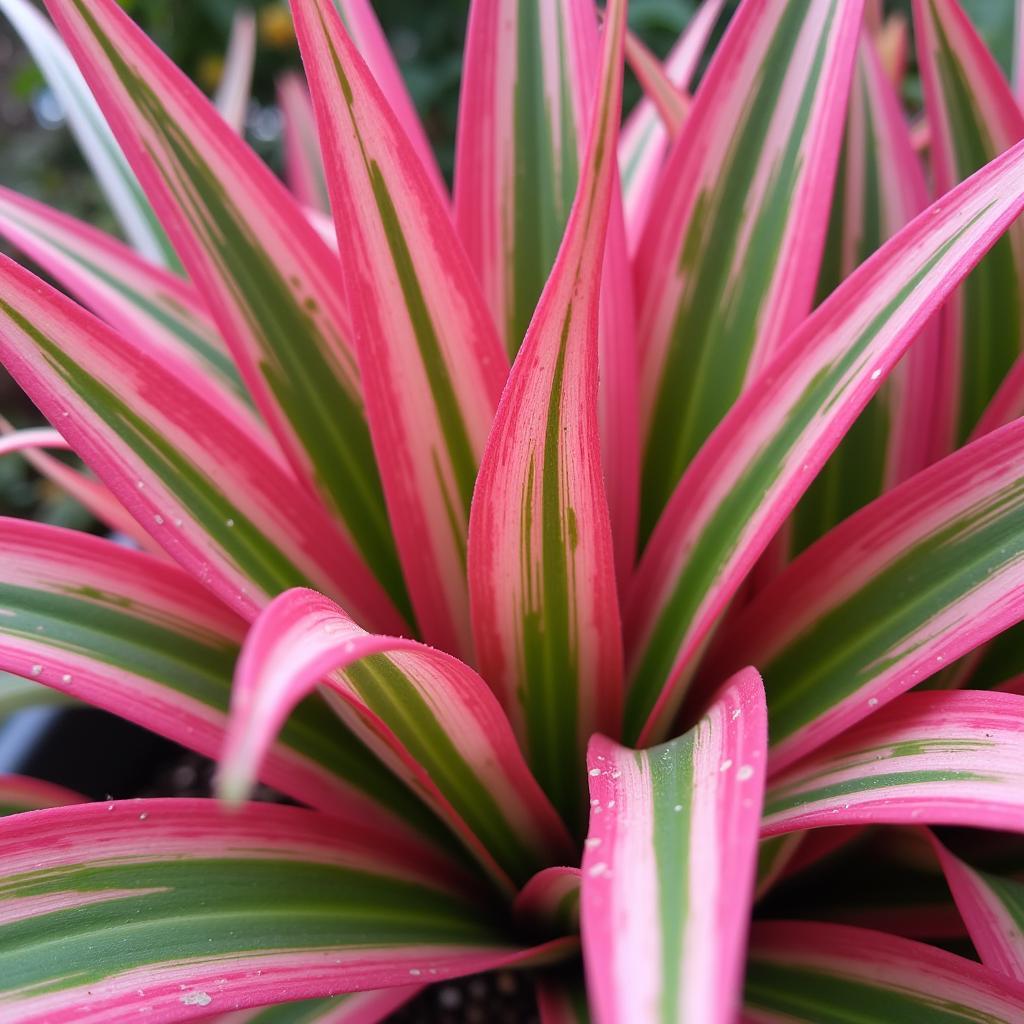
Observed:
{"x":668,"y":868}
{"x":155,"y":308}
{"x":213,"y":494}
{"x":889,"y":597}
{"x":973,"y":117}
{"x":138,"y":637}
{"x":806,"y":973}
{"x":178,"y":908}
{"x":879,"y":188}
{"x":542,"y":577}
{"x":725,"y":271}
{"x":114,"y":176}
{"x":937,"y":758}
{"x":763,"y":456}
{"x":432,"y":363}
{"x":270,"y":283}
{"x":644,"y":137}
{"x":533,"y":64}
{"x":428,"y":715}
{"x":993,"y":909}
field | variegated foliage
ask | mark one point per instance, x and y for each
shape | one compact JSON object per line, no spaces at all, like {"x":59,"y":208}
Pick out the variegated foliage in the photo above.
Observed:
{"x":591,"y":551}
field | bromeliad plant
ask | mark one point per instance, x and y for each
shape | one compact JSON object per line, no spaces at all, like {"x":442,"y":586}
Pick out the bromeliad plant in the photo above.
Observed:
{"x":464,"y":518}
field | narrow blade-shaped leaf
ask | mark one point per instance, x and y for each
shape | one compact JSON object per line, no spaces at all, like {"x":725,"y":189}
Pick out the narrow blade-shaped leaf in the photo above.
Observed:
{"x":138,"y":637}
{"x":644,"y":138}
{"x":973,"y":118}
{"x":533,"y":65}
{"x":214,"y":495}
{"x":880,"y":188}
{"x":271,"y":285}
{"x":20,"y":793}
{"x":94,"y":138}
{"x":993,"y":910}
{"x":668,"y":867}
{"x":137,"y":299}
{"x":432,"y":364}
{"x":763,"y":456}
{"x":363,"y":28}
{"x":896,"y":593}
{"x":726,"y":270}
{"x":303,"y":162}
{"x":807,"y":973}
{"x":353,"y":1008}
{"x":929,"y":758}
{"x":235,"y":87}
{"x":542,"y":576}
{"x":179,"y":907}
{"x":430,"y":717}
{"x":562,"y":998}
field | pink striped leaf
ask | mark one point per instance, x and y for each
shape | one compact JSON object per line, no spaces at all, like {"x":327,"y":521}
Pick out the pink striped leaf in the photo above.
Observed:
{"x":549,"y":903}
{"x":138,"y":637}
{"x":806,"y":973}
{"x":353,"y":1008}
{"x":879,"y":188}
{"x":644,"y":137}
{"x":775,"y":439}
{"x":993,"y":910}
{"x":136,"y":298}
{"x":365,"y":32}
{"x":432,"y":364}
{"x":90,"y":130}
{"x":271,"y":285}
{"x":671,"y":103}
{"x":177,"y":908}
{"x":668,"y":866}
{"x":95,"y":497}
{"x":973,"y":117}
{"x":429,"y":716}
{"x":303,"y":161}
{"x":929,"y":758}
{"x":235,"y":86}
{"x":541,"y":570}
{"x":533,"y":65}
{"x":215,"y":496}
{"x":19,"y":793}
{"x":726,"y":270}
{"x":894,"y":594}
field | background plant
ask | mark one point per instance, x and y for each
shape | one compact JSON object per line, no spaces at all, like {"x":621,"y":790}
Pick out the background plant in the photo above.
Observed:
{"x":625,"y":415}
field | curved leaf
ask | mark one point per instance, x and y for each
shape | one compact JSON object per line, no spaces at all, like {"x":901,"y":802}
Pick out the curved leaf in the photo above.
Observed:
{"x":137,"y":637}
{"x":217,"y":497}
{"x":993,"y":910}
{"x":303,"y":161}
{"x":892,"y":595}
{"x":973,"y":117}
{"x":806,"y":973}
{"x":929,"y":758}
{"x":177,"y":907}
{"x":432,"y":363}
{"x":668,"y":866}
{"x":143,"y":302}
{"x":726,"y":270}
{"x":880,"y":188}
{"x":542,"y":577}
{"x":271,"y":285}
{"x":534,"y":65}
{"x":761,"y":459}
{"x":425,"y":713}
